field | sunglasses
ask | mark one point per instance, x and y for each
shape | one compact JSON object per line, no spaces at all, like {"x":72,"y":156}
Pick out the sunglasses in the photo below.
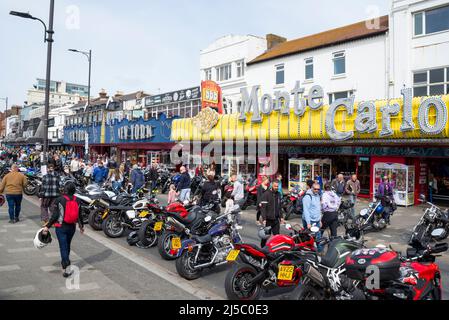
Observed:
{"x":316,"y":189}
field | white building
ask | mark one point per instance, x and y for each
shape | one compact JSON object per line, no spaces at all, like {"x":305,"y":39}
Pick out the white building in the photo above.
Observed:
{"x":57,"y":118}
{"x":224,"y":61}
{"x":60,"y":92}
{"x":419,"y":46}
{"x":372,"y":59}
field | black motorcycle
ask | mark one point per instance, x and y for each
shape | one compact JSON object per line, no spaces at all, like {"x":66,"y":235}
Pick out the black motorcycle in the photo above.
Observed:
{"x":432,"y":218}
{"x":34,"y":183}
{"x":345,"y":212}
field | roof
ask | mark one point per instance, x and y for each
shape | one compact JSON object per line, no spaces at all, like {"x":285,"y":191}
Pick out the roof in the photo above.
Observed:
{"x":327,"y":38}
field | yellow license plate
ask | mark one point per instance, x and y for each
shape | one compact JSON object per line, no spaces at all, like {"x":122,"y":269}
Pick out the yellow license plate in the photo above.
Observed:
{"x":143,"y":214}
{"x":286,"y":272}
{"x":158,"y":226}
{"x":176,"y":243}
{"x":232,"y":255}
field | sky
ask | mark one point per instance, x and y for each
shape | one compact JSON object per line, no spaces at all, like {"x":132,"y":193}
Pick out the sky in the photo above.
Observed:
{"x":150,"y":45}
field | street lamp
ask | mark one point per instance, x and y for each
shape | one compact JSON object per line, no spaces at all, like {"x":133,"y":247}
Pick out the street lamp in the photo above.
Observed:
{"x":48,"y":37}
{"x":6,"y":111}
{"x":89,"y":58}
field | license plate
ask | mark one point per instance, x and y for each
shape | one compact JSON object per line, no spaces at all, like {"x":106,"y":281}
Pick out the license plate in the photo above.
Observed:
{"x":143,"y":214}
{"x":286,"y":272}
{"x":158,"y":226}
{"x":232,"y":255}
{"x":176,"y":243}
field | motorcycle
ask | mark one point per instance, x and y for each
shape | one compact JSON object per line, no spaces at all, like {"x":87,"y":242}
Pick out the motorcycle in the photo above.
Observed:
{"x":208,"y":250}
{"x":324,"y":278}
{"x":34,"y":184}
{"x":273,"y":266}
{"x":432,"y":218}
{"x":195,"y":187}
{"x":415,"y":276}
{"x":293,"y":203}
{"x":152,"y":225}
{"x":345,"y":212}
{"x":250,"y":194}
{"x":373,"y":216}
{"x":181,"y":221}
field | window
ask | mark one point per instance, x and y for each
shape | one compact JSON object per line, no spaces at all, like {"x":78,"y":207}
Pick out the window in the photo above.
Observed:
{"x":339,"y":63}
{"x":224,"y":72}
{"x":431,"y":82}
{"x":431,"y":21}
{"x":309,"y":68}
{"x":280,"y":74}
{"x":339,"y":95}
{"x":240,"y":69}
{"x":208,"y":74}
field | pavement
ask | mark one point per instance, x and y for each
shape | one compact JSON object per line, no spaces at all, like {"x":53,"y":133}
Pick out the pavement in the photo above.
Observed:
{"x":111,"y":269}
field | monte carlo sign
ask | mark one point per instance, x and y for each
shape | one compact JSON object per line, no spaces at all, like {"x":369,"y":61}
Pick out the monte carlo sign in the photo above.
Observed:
{"x":429,"y":115}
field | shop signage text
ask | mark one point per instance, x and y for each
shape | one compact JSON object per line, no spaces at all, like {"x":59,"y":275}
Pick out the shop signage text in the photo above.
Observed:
{"x":135,"y":132}
{"x":175,"y":96}
{"x":365,"y":121}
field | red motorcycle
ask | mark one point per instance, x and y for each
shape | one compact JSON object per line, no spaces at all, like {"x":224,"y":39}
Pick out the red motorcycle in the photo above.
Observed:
{"x":250,"y":194}
{"x":414,"y":277}
{"x":273,"y":266}
{"x":293,"y":203}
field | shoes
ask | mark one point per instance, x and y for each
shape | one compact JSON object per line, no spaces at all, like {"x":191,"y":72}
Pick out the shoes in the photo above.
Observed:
{"x":16,"y":219}
{"x":12,"y":221}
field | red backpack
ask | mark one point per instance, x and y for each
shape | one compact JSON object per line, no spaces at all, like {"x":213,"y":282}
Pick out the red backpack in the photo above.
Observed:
{"x":71,"y":210}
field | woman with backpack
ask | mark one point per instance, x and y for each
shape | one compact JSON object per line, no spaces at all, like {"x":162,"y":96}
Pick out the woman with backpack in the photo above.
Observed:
{"x":65,"y":217}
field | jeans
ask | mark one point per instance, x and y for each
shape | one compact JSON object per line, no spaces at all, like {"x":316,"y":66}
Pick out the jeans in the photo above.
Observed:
{"x":14,"y":205}
{"x":330,"y":220}
{"x":184,"y":195}
{"x":317,"y":235}
{"x":65,"y":235}
{"x":353,"y":199}
{"x":46,"y":204}
{"x":116,"y":185}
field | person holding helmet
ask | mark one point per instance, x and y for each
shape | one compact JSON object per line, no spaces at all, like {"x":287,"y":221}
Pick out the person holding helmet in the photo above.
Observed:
{"x":12,"y":184}
{"x":65,"y":217}
{"x":270,"y":210}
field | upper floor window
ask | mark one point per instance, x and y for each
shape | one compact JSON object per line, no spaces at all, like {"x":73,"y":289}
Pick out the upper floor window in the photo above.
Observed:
{"x":208,"y":74}
{"x":339,"y":95}
{"x":309,"y":69}
{"x":339,"y":59}
{"x":280,"y":74}
{"x":431,"y":82}
{"x":224,"y":72}
{"x":240,"y":69}
{"x":431,"y":21}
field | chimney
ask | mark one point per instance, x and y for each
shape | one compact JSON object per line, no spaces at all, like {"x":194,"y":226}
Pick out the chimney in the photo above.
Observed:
{"x":103,"y":94}
{"x":273,"y":40}
{"x":118,"y":94}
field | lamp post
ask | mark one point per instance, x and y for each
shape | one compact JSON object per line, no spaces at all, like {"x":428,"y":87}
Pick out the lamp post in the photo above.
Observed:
{"x":48,"y":38}
{"x":88,"y":55}
{"x":6,"y":111}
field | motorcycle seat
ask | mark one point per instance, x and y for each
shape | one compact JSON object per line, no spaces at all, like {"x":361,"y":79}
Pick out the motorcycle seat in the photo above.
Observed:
{"x":202,"y":239}
{"x":187,"y":220}
{"x":264,"y":250}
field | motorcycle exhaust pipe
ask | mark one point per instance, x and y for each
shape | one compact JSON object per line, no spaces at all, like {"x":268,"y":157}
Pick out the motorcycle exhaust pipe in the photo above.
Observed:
{"x":178,"y":225}
{"x":257,"y":278}
{"x":315,"y":276}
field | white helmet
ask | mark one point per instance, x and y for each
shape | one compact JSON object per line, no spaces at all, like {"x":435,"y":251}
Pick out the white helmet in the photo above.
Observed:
{"x":41,"y":240}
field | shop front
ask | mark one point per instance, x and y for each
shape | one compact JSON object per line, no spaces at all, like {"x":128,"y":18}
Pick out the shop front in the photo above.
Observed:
{"x":142,"y":141}
{"x":405,"y":139}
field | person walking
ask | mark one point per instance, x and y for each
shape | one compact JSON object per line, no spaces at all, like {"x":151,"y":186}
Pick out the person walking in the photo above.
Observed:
{"x":238,"y":193}
{"x":353,"y":189}
{"x":183,"y":186}
{"x":172,"y":194}
{"x":330,"y":202}
{"x":12,"y":184}
{"x":260,"y":190}
{"x":270,"y":209}
{"x":153,"y":175}
{"x":100,"y":173}
{"x":311,"y":215}
{"x":64,"y":217}
{"x":339,"y":185}
{"x":75,"y":166}
{"x":137,"y":178}
{"x":49,"y":193}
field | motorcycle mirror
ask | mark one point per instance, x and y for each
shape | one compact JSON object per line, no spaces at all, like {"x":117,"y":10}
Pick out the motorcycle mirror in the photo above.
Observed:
{"x":437,"y":232}
{"x":288,"y":226}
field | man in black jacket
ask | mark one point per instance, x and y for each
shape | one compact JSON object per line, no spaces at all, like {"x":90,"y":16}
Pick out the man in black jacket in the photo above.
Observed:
{"x":270,"y":209}
{"x":260,"y":190}
{"x":210,"y":192}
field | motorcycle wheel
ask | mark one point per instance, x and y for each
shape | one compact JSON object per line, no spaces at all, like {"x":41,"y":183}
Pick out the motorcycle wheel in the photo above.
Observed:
{"x":112,"y":227}
{"x":419,"y":234}
{"x":147,"y":236}
{"x":184,"y":266}
{"x":236,"y":286}
{"x":85,"y":215}
{"x":30,"y":189}
{"x":288,"y":212}
{"x":164,"y":245}
{"x":95,"y":220}
{"x":307,"y":292}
